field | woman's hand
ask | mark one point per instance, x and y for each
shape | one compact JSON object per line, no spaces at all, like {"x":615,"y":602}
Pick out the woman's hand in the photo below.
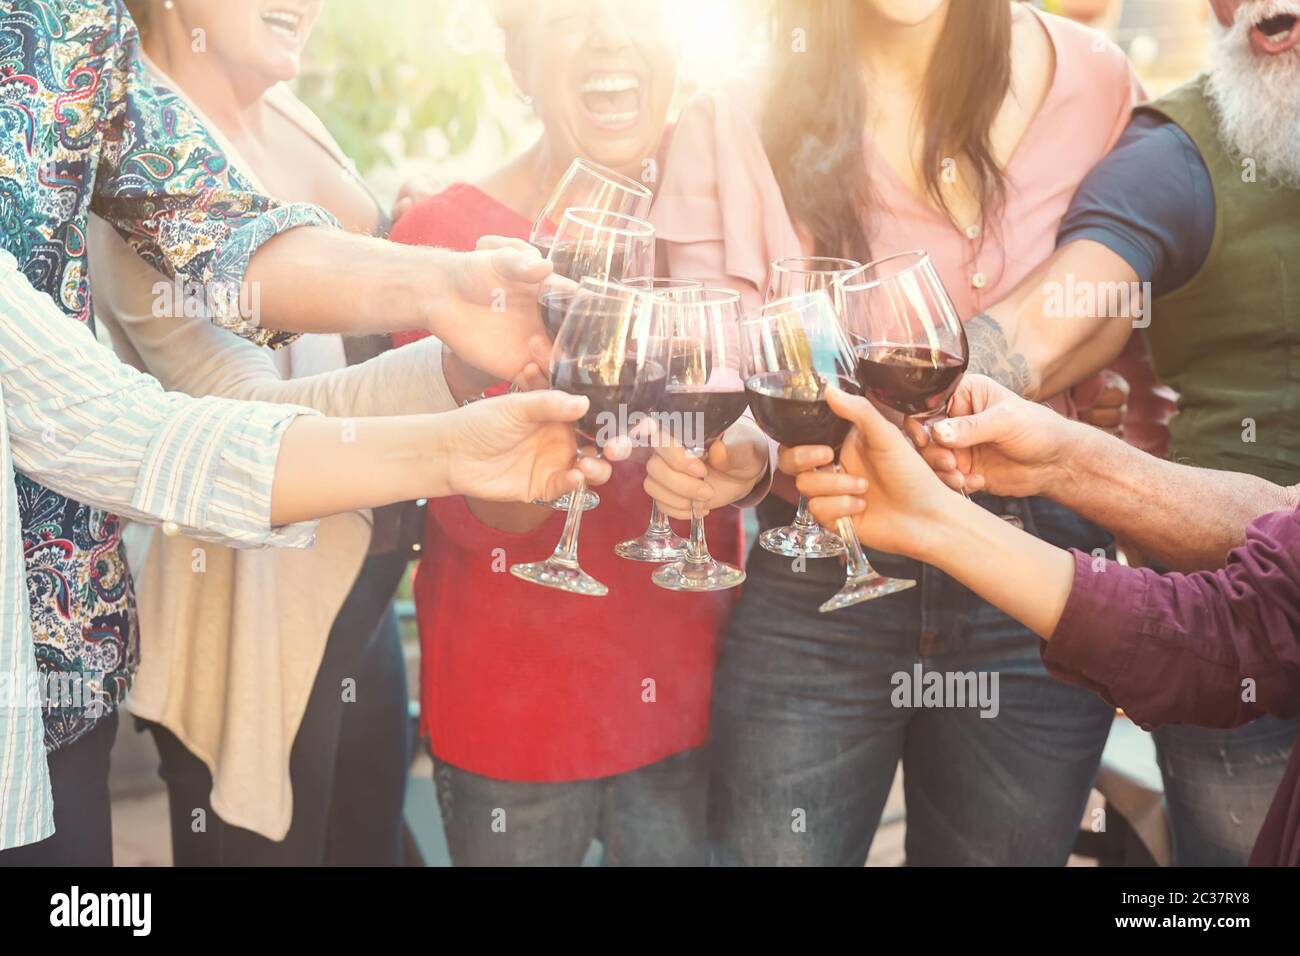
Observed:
{"x":997,"y":441}
{"x":895,"y":500}
{"x":517,"y":448}
{"x":730,"y":470}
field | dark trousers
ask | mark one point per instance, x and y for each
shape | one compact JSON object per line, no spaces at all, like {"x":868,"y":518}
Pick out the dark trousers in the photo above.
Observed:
{"x":349,"y":760}
{"x":808,"y":728}
{"x":83,"y":820}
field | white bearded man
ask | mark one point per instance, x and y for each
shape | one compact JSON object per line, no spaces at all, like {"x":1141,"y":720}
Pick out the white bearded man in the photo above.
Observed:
{"x":1195,"y":219}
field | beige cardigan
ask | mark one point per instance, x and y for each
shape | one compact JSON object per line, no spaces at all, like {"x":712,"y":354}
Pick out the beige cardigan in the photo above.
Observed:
{"x":231,"y":640}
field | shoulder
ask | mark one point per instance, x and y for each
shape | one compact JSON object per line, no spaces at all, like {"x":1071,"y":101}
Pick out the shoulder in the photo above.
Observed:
{"x":1086,"y":59}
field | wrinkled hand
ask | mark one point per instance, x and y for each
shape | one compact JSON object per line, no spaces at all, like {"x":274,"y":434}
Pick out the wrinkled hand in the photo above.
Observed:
{"x":896,"y":502}
{"x":996,"y":441}
{"x":418,"y":187}
{"x":676,"y":479}
{"x":519,"y":447}
{"x":489,"y":316}
{"x":1103,"y":401}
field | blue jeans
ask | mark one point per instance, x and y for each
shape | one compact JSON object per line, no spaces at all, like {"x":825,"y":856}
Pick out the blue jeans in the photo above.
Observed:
{"x":806,"y":738}
{"x":651,"y":816}
{"x":1219,"y":785}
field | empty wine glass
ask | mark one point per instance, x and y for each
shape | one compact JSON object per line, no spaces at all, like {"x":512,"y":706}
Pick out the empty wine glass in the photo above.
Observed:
{"x":705,"y":394}
{"x":588,"y":185}
{"x":793,"y":349}
{"x":611,"y":349}
{"x":909,"y":339}
{"x":658,"y":543}
{"x":601,"y":245}
{"x":804,"y":537}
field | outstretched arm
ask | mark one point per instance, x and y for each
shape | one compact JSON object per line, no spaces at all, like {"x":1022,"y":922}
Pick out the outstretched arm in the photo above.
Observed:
{"x":1212,"y":648}
{"x":90,"y":427}
{"x":1187,"y":518}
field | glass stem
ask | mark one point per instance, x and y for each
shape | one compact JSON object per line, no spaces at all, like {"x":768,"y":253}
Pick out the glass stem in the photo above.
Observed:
{"x":858,"y":566}
{"x":659,"y":526}
{"x":802,"y":518}
{"x":699,"y":548}
{"x":567,"y":549}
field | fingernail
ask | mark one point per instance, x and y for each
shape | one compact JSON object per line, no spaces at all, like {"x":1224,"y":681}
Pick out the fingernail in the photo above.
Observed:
{"x":946,"y":431}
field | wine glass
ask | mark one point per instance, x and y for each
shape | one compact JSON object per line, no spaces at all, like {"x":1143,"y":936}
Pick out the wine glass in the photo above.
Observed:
{"x":804,"y":537}
{"x":793,"y":349}
{"x":704,"y":396}
{"x":658,"y":543}
{"x":611,"y":349}
{"x":910,"y":342}
{"x":591,"y":186}
{"x":602,"y":245}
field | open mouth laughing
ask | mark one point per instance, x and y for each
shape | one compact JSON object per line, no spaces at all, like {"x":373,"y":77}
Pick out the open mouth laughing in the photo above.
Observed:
{"x":612,"y":99}
{"x":284,"y":23}
{"x":1275,"y":34}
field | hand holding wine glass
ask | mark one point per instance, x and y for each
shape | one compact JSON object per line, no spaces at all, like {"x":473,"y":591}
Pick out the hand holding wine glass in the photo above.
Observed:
{"x":705,"y":395}
{"x":787,"y":278}
{"x":996,"y":441}
{"x":895,"y":501}
{"x":612,"y":351}
{"x":910,"y":343}
{"x":515,"y":447}
{"x":795,"y":349}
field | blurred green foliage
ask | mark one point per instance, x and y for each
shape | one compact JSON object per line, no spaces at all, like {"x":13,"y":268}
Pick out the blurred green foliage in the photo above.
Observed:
{"x":384,"y":74}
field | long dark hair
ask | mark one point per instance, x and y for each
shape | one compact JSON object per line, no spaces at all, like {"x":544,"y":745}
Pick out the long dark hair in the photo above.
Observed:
{"x":817,"y":106}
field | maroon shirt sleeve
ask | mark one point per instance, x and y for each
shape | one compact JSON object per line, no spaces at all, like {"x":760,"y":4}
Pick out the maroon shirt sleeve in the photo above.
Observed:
{"x":1217,"y":649}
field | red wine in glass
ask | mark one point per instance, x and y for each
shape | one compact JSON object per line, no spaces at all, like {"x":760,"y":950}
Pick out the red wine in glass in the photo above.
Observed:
{"x":910,"y":379}
{"x":792,"y":413}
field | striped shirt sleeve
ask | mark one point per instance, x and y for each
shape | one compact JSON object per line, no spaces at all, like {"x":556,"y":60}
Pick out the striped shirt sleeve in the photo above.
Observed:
{"x":96,"y":430}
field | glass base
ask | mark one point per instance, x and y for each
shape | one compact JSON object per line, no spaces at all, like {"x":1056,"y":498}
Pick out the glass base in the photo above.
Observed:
{"x":589,"y":500}
{"x":866,"y":588}
{"x":706,"y":575}
{"x":561,"y":575}
{"x":794,"y":541}
{"x":653,"y":548}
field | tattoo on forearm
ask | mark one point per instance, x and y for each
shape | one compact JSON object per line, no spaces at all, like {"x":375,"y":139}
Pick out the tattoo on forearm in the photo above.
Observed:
{"x":991,"y":355}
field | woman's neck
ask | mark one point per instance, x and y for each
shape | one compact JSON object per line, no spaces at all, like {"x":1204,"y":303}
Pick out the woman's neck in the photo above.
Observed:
{"x":526,"y":182}
{"x":897,"y":57}
{"x":234,"y":105}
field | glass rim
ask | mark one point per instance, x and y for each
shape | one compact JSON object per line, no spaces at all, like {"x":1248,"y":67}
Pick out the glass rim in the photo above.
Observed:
{"x":590,"y":217}
{"x":708,"y":295}
{"x":609,"y":175}
{"x":778,"y":265}
{"x":605,"y":288}
{"x":768,"y":310}
{"x":847,"y":281}
{"x":658,"y":283}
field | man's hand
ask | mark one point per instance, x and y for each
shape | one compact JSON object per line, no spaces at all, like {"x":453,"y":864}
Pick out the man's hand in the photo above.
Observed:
{"x":996,"y":441}
{"x":729,"y":471}
{"x":487,"y":312}
{"x":517,"y":448}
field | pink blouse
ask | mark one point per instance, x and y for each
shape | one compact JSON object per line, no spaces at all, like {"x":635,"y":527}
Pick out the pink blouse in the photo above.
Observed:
{"x":722,"y":219}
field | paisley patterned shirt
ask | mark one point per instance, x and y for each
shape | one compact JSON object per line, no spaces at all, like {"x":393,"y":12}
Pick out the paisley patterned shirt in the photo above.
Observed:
{"x":84,"y":127}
